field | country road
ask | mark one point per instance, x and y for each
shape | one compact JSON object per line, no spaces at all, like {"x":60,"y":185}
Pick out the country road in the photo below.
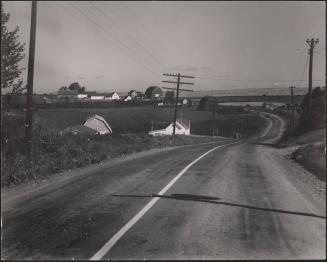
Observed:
{"x":241,"y":200}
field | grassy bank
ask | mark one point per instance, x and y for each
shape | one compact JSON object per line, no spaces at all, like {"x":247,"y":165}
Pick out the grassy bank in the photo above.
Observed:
{"x":313,"y":158}
{"x":53,"y":153}
{"x":311,"y":153}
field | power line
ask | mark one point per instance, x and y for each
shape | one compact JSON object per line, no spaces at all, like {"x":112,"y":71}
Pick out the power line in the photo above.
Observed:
{"x":305,"y":66}
{"x":127,"y":33}
{"x":298,"y":65}
{"x":253,"y":80}
{"x":113,"y":37}
{"x":149,"y":32}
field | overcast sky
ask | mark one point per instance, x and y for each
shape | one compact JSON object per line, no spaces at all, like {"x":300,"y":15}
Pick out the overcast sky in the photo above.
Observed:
{"x":118,"y":46}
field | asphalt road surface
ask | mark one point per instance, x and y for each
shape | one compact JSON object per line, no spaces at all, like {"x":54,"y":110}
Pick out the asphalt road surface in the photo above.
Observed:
{"x":234,"y":202}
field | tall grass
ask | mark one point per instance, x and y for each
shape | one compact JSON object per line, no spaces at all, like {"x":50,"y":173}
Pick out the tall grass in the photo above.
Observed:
{"x":54,"y":153}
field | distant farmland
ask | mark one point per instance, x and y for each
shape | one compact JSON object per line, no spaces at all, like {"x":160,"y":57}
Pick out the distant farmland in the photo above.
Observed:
{"x":122,"y":120}
{"x":273,"y":99}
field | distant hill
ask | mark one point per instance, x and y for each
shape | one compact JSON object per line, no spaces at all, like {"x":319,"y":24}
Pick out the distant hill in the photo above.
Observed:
{"x":248,"y":92}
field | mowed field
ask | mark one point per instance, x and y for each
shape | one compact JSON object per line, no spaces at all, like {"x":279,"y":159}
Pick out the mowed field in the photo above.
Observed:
{"x":122,"y":120}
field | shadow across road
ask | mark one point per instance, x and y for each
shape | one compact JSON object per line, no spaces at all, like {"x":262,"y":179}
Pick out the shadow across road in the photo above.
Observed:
{"x":217,"y":201}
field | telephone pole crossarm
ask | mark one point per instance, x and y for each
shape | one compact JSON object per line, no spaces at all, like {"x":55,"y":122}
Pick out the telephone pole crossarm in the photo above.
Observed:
{"x":184,"y":90}
{"x":171,"y":82}
{"x":186,"y":83}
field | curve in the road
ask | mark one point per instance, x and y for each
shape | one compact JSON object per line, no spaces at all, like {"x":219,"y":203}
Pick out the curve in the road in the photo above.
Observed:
{"x":113,"y":240}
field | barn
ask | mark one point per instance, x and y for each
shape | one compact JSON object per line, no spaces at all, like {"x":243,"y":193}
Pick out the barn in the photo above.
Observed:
{"x":94,"y":124}
{"x":154,"y":92}
{"x":99,"y":124}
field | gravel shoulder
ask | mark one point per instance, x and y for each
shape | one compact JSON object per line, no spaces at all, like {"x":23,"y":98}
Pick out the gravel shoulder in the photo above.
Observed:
{"x":306,"y":182}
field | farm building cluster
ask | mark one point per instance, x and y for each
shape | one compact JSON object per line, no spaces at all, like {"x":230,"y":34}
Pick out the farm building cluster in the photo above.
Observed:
{"x":152,"y":93}
{"x":73,"y":95}
{"x":63,"y":96}
{"x":97,"y":125}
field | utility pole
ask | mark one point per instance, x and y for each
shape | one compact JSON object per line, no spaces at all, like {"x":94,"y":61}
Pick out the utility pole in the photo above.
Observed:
{"x":30,"y":76}
{"x":214,"y":116}
{"x":178,"y":82}
{"x":292,"y":105}
{"x":312,"y":43}
{"x":264,"y":100}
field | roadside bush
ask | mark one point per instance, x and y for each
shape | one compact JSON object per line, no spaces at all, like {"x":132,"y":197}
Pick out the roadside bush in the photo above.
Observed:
{"x":54,"y":153}
{"x":315,"y":118}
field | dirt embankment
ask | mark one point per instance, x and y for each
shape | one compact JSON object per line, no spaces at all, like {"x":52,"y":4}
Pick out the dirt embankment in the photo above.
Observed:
{"x":309,"y":150}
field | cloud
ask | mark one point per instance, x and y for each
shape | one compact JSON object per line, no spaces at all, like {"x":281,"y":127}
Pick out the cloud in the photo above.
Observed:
{"x":206,"y":68}
{"x":99,"y":76}
{"x":184,"y":68}
{"x":190,"y":68}
{"x":49,"y":24}
{"x":44,"y":70}
{"x":81,"y":77}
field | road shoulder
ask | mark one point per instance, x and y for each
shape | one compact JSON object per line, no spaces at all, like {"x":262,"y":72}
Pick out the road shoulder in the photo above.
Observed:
{"x":305,"y":182}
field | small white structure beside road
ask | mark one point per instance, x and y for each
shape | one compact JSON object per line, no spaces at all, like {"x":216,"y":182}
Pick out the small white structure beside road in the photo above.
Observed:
{"x":183,"y":127}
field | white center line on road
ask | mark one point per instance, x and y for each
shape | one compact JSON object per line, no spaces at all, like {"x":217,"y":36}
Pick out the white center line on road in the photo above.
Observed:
{"x":112,"y":241}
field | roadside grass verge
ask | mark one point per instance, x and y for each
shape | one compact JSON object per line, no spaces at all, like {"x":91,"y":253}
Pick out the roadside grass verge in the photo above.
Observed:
{"x":53,"y":153}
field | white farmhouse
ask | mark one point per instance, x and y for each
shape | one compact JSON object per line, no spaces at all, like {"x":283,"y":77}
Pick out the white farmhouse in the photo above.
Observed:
{"x":183,"y":127}
{"x":113,"y":96}
{"x":127,"y":98}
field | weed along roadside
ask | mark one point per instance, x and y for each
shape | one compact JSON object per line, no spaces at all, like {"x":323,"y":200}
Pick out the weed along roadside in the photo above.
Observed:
{"x":55,"y":154}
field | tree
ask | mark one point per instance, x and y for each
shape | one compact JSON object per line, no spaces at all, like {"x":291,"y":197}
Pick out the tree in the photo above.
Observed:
{"x":12,"y":52}
{"x":316,"y":117}
{"x":76,"y":86}
{"x":170,"y":97}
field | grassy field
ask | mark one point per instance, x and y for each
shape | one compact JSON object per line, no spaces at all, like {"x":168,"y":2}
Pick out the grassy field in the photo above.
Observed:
{"x":138,"y":120}
{"x":121,"y":120}
{"x":53,"y":153}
